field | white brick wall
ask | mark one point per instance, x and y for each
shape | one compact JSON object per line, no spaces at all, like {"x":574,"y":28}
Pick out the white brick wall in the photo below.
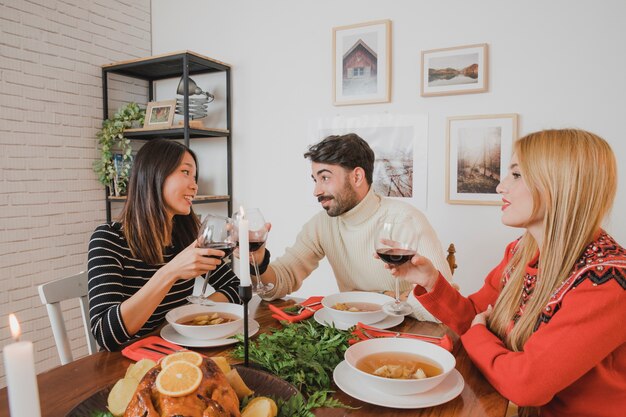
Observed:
{"x":50,"y":109}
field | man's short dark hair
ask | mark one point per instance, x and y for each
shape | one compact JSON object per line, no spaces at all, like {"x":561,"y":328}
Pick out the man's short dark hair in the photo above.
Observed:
{"x":348,"y":151}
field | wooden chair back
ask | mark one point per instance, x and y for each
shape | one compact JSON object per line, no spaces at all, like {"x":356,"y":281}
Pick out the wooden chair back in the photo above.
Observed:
{"x":451,"y":258}
{"x":51,"y":294}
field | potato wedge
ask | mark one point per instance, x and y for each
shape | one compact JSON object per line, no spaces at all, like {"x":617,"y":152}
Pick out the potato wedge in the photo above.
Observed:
{"x":140,"y":368}
{"x":128,"y":370}
{"x":222,"y":362}
{"x":120,"y":395}
{"x":260,"y":407}
{"x":240,"y":387}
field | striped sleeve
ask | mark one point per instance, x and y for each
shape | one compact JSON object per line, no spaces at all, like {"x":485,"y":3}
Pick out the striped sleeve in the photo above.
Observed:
{"x":224,"y":281}
{"x":106,"y":287}
{"x":115,"y":275}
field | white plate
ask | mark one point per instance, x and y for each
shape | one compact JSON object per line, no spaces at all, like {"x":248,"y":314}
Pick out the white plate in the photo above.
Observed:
{"x":325,"y":319}
{"x":168,"y":333}
{"x":352,"y":384}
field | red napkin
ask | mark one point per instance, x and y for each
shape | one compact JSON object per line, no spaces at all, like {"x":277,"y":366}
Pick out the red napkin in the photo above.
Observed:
{"x":151,"y":347}
{"x":315,"y":303}
{"x":445,"y":341}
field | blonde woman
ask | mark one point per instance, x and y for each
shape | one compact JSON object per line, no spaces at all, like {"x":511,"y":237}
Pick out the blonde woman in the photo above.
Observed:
{"x":555,"y":340}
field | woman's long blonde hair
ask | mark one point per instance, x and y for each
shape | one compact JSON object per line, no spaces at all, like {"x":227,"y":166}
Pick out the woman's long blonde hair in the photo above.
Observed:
{"x":573,"y":174}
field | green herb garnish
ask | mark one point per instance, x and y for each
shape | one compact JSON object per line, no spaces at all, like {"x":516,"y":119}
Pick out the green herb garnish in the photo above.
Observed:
{"x":100,"y":414}
{"x":298,"y":406}
{"x":304,"y":354}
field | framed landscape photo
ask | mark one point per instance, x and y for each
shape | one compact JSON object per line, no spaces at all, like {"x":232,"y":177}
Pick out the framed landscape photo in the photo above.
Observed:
{"x":362,"y":63}
{"x":159,"y":114}
{"x":458,"y":70}
{"x":478,"y":154}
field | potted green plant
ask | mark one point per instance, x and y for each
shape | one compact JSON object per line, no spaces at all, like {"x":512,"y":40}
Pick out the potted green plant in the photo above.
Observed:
{"x":113,"y":167}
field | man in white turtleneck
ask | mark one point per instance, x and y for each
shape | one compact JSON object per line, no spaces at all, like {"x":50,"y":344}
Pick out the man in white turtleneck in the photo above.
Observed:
{"x":342,"y":169}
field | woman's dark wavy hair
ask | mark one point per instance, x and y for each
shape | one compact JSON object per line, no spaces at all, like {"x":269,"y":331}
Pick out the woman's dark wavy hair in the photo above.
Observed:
{"x":147,"y":227}
{"x":348,"y":151}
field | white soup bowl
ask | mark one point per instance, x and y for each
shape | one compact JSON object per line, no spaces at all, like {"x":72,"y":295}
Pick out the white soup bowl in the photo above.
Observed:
{"x":428,"y":351}
{"x":209,"y":331}
{"x":354,"y":317}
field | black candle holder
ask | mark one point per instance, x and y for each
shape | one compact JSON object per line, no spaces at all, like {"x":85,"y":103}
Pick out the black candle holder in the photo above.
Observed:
{"x":245,"y":293}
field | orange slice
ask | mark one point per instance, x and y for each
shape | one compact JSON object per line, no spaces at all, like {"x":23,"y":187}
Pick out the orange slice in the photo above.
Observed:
{"x":179,"y":379}
{"x":189,"y":356}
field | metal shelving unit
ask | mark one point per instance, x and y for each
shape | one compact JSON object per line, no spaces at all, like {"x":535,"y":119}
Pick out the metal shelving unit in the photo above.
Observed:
{"x":178,"y":64}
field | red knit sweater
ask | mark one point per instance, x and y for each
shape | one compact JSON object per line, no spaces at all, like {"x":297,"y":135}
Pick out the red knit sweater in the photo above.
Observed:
{"x":574,"y":364}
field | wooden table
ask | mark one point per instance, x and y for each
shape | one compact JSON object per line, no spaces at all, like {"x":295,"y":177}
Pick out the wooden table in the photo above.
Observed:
{"x":61,"y":388}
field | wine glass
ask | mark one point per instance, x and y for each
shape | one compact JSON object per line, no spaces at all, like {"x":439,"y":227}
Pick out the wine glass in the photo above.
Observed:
{"x":216,"y":232}
{"x":396,"y":241}
{"x":257,"y":235}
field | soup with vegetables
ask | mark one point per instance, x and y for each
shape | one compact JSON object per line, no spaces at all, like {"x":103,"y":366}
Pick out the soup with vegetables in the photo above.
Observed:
{"x":356,"y":307}
{"x":399,"y":365}
{"x":207,"y":319}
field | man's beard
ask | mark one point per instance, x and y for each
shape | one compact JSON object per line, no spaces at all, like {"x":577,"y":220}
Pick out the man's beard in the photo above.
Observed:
{"x":345,"y":201}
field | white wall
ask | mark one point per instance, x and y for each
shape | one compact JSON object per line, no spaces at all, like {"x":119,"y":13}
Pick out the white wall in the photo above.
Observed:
{"x":556,"y":64}
{"x":50,"y":110}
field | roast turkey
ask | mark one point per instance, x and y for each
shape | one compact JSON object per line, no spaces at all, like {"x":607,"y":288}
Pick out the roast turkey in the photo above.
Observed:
{"x":213,"y":398}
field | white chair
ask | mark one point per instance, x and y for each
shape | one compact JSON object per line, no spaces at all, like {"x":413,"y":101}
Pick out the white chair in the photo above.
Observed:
{"x":52,"y":293}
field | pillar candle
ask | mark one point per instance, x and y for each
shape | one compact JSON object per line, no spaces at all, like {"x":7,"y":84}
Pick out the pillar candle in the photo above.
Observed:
{"x":244,"y":251}
{"x":19,"y":367}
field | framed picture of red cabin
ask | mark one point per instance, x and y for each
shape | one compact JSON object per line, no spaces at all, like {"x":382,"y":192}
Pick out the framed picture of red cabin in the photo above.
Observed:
{"x":458,"y":70}
{"x":478,"y":154}
{"x":362,"y":63}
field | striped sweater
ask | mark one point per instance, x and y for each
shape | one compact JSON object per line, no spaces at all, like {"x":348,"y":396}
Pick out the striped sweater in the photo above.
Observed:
{"x":115,"y":275}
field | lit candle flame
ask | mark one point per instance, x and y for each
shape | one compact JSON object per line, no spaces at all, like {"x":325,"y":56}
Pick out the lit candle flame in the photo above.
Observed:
{"x":243,"y":213}
{"x":16,"y":331}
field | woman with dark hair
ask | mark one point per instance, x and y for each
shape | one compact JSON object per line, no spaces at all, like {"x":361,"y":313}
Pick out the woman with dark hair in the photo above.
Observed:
{"x":143,"y":266}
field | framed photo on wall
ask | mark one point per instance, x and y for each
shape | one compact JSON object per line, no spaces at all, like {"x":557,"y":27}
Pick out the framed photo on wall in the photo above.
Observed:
{"x":478,"y":154}
{"x":362,"y":63}
{"x":458,"y":70}
{"x":159,"y":114}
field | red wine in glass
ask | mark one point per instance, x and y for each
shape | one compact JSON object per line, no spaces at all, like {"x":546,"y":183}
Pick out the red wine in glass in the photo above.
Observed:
{"x":254,"y":246}
{"x":226,"y":247}
{"x":395,"y":244}
{"x":257,"y":235}
{"x":216,"y":232}
{"x":395,"y":256}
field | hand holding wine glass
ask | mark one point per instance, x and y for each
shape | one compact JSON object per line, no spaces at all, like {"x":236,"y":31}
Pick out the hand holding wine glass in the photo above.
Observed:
{"x":257,"y":235}
{"x":395,"y":244}
{"x":216,"y":232}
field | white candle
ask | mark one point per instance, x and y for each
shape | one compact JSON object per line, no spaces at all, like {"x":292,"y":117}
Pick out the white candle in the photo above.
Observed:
{"x":244,"y":251}
{"x":19,"y":367}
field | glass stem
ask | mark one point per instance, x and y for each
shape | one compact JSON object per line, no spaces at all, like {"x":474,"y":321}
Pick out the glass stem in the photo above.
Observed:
{"x":206,"y":284}
{"x":256,"y":273}
{"x":397,"y":291}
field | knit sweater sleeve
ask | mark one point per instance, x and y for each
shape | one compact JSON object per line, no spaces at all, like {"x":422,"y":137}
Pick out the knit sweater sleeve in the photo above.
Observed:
{"x":585,"y":331}
{"x":457,"y":312}
{"x":106,"y":288}
{"x":429,"y":246}
{"x":299,"y":260}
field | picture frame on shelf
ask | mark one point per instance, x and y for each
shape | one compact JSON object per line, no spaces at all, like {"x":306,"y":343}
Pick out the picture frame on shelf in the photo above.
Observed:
{"x":362,"y":63}
{"x":456,"y":70}
{"x":160,"y":114}
{"x":478,"y":150}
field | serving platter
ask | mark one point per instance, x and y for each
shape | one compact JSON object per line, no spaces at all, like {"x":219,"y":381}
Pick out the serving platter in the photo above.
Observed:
{"x":261,"y":382}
